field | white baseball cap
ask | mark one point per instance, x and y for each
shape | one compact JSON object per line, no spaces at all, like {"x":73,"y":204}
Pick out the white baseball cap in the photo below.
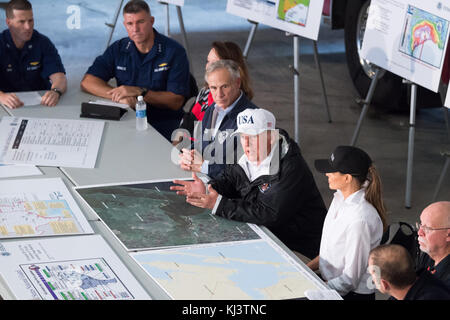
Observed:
{"x":254,"y":121}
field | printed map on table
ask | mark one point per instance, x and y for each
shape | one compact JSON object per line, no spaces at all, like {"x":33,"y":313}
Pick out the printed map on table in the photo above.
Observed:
{"x":21,"y":217}
{"x":39,"y":207}
{"x":150,"y":215}
{"x":90,"y":279}
{"x":295,"y":11}
{"x":424,"y":36}
{"x":241,"y":270}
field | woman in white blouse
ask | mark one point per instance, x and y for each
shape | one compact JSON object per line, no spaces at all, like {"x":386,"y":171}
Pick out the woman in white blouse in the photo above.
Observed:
{"x":354,"y":223}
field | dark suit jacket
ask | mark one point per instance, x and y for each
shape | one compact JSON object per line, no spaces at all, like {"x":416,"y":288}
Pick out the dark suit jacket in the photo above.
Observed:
{"x":215,"y":149}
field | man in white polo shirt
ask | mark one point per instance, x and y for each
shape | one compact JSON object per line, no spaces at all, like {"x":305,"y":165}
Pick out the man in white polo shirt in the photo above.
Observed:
{"x":271,"y":185}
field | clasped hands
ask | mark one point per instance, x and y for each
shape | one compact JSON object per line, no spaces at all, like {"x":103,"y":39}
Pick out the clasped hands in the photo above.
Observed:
{"x":125,"y":94}
{"x":195,"y":192}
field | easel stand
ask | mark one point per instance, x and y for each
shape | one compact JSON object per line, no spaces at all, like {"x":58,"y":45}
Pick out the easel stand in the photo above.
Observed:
{"x":412,"y":129}
{"x":112,"y":26}
{"x":182,"y":29}
{"x":412,"y":122}
{"x":366,"y":103}
{"x":296,"y":73}
{"x":251,"y":36}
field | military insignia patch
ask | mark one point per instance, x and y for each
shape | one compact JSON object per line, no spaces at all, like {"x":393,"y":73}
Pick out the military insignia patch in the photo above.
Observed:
{"x":264,"y":187}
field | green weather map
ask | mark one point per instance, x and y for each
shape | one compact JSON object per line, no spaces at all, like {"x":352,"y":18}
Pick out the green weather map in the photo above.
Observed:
{"x":294,"y":11}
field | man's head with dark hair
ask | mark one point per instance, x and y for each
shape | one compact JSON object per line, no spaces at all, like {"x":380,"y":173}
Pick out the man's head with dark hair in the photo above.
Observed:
{"x":135,"y":6}
{"x":138,"y":21}
{"x":392,"y":264}
{"x":24,"y":5}
{"x":20,"y":21}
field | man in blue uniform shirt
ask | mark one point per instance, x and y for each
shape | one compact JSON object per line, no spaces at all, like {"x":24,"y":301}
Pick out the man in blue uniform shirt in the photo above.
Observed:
{"x":28,"y":60}
{"x":145,"y":63}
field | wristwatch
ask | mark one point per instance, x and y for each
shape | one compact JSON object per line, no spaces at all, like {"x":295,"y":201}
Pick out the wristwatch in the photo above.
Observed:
{"x":57,"y":91}
{"x":143,"y":91}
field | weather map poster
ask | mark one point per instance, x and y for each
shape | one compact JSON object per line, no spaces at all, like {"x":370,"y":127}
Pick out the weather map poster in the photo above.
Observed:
{"x":294,"y":11}
{"x":299,"y":17}
{"x":39,"y":207}
{"x":149,"y":215}
{"x":69,"y":268}
{"x":424,"y":36}
{"x":408,"y":38}
{"x":250,"y":270}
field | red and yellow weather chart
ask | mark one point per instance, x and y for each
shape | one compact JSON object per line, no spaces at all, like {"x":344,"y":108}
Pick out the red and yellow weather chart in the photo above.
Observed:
{"x":423,"y":36}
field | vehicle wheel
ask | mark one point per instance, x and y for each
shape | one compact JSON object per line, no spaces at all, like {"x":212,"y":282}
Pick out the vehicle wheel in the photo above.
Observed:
{"x":389,"y":91}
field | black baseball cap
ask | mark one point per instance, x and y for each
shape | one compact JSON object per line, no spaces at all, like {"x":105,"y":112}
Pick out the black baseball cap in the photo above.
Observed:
{"x":345,"y":159}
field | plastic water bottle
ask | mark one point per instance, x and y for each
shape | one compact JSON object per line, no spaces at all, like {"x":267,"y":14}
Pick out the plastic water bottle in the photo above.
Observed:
{"x":141,"y":114}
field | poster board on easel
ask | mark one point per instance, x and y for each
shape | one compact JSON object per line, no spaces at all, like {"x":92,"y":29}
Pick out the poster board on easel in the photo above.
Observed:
{"x":299,"y":17}
{"x":174,"y":2}
{"x":408,"y":38}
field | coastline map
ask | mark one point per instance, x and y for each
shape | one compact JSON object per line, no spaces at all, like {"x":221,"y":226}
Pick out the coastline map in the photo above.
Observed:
{"x":253,"y":270}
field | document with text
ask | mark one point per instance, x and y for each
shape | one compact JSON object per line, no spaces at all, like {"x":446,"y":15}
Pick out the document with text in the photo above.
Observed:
{"x":50,"y":142}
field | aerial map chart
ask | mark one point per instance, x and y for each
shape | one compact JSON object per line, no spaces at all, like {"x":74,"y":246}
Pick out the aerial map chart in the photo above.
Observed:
{"x":256,"y":269}
{"x":294,"y":11}
{"x":39,"y":207}
{"x":150,"y":215}
{"x":424,"y":36}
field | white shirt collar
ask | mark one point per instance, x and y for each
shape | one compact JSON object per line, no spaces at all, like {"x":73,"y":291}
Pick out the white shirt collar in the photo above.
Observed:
{"x":354,"y":198}
{"x":254,"y":171}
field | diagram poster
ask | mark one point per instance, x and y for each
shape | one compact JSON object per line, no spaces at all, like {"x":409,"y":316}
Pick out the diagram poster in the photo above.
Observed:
{"x":300,"y":17}
{"x":69,"y":268}
{"x":408,"y":38}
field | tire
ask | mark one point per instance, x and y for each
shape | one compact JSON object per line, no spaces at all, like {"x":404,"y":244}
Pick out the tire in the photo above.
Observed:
{"x":389,"y":93}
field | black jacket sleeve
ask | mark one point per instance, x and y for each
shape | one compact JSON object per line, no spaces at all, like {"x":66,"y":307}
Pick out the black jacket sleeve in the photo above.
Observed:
{"x":270,"y":208}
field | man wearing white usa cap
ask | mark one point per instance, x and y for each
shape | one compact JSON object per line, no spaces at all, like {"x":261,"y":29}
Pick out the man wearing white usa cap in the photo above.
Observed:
{"x":271,"y":185}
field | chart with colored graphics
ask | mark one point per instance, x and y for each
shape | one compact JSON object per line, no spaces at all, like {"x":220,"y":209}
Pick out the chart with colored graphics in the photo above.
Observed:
{"x":65,"y":268}
{"x":90,"y":279}
{"x":294,"y":11}
{"x":424,"y":36}
{"x":39,"y":207}
{"x":408,"y":38}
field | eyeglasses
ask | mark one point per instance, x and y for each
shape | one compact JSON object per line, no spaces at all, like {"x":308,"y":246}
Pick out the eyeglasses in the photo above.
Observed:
{"x":428,"y":229}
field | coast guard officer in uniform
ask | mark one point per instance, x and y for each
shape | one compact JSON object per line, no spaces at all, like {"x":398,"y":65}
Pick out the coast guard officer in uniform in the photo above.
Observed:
{"x":28,"y":60}
{"x":144,"y":63}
